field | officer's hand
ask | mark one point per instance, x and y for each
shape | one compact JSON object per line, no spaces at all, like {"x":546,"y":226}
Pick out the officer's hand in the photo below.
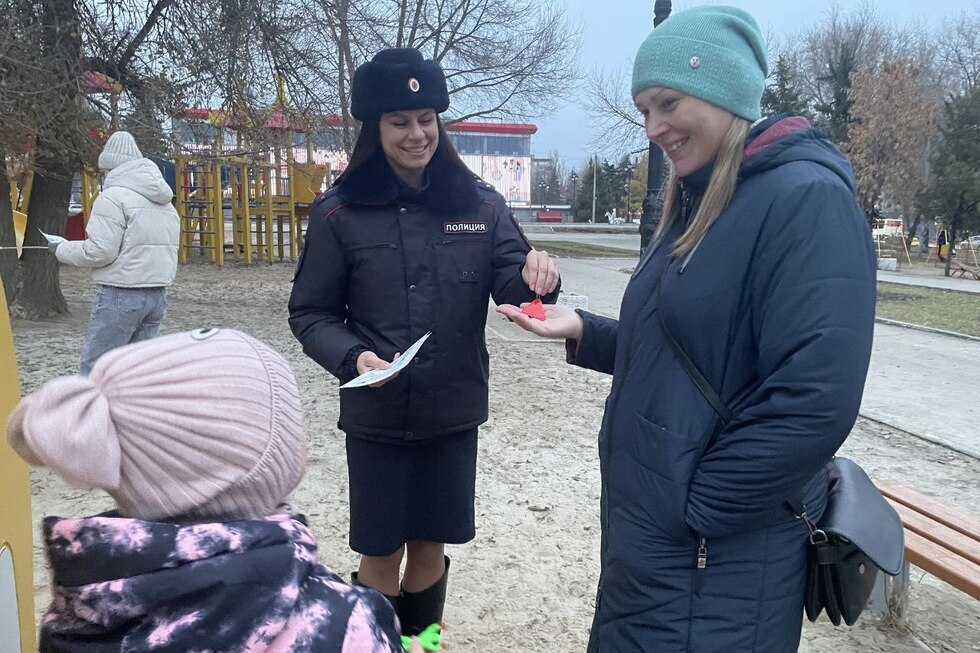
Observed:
{"x":560,"y":321}
{"x":540,"y":272}
{"x":53,"y":247}
{"x":368,"y":361}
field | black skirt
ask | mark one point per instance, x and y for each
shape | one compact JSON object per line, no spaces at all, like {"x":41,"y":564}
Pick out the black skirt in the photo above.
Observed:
{"x":413,"y":491}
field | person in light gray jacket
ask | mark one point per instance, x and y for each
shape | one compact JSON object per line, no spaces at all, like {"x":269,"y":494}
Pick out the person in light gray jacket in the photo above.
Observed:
{"x":133,"y":234}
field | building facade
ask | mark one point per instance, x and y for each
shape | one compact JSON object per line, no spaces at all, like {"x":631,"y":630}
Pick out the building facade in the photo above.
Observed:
{"x":500,"y":153}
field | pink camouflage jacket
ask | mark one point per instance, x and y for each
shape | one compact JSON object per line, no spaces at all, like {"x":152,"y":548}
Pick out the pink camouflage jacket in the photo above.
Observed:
{"x":132,"y":586}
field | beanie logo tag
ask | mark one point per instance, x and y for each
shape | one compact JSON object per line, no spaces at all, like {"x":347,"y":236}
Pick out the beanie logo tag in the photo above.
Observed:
{"x":413,"y":85}
{"x":204,"y":334}
{"x":695,"y":62}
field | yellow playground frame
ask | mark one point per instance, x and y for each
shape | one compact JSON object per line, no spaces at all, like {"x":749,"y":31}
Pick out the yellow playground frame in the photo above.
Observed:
{"x":20,"y":200}
{"x":256,"y":208}
{"x":16,"y":523}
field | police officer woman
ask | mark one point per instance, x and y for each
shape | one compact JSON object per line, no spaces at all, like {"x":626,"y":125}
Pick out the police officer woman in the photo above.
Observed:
{"x":409,"y":241}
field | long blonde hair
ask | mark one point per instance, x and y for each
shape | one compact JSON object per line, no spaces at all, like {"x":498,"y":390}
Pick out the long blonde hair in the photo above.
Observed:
{"x":719,"y":193}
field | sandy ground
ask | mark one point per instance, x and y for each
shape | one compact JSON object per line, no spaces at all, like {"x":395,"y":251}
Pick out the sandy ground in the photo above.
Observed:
{"x":527,"y":582}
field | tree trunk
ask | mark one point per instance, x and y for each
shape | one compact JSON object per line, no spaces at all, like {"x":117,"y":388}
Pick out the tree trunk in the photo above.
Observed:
{"x":950,"y":240}
{"x":8,"y":239}
{"x":39,"y":295}
{"x":913,"y":228}
{"x":58,"y":150}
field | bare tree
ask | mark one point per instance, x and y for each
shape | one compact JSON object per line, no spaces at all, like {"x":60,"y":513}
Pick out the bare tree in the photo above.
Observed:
{"x":157,"y":58}
{"x":619,"y":125}
{"x":43,"y":116}
{"x":507,"y":59}
{"x":829,"y":52}
{"x":893,"y":121}
{"x":241,"y":50}
{"x":503,"y":58}
{"x":959,"y":51}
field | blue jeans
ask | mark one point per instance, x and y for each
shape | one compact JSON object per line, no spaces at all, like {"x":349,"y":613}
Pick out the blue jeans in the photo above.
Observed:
{"x":121,"y":316}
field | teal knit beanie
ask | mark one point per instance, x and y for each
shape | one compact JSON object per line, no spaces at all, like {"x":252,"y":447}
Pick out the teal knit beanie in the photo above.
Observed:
{"x":713,"y":53}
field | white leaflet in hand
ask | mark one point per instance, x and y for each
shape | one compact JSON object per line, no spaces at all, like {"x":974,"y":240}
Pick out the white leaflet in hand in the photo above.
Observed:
{"x":374,"y":376}
{"x":53,"y":239}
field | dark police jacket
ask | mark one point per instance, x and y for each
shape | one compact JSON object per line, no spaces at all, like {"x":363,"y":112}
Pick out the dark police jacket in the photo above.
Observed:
{"x":381,"y":266}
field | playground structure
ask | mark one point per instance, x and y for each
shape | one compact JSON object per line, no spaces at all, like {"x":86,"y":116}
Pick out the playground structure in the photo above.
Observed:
{"x":16,"y":547}
{"x":256,"y":209}
{"x":255,"y":205}
{"x":248,"y":201}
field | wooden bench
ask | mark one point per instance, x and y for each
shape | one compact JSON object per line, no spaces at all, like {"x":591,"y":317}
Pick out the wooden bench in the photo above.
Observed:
{"x":964,"y":271}
{"x":549,"y":216}
{"x":938,"y":539}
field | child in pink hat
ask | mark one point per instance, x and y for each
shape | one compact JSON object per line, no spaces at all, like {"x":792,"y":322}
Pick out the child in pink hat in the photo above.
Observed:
{"x":198,"y":438}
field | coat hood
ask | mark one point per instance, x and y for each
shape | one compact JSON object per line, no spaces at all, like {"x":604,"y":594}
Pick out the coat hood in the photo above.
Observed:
{"x":251,"y":585}
{"x":784,"y":139}
{"x":141,"y":176}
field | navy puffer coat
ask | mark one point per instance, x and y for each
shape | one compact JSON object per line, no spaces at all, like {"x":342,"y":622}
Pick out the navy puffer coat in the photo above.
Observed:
{"x":776,"y":308}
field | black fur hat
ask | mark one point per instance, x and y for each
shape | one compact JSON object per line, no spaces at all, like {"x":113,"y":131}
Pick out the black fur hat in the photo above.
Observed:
{"x":398,"y":79}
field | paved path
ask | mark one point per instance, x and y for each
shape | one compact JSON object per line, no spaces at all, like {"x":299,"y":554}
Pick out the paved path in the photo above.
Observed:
{"x":945,"y":283}
{"x":927,"y":384}
{"x":626,"y":237}
{"x":629,"y":242}
{"x":924,"y":383}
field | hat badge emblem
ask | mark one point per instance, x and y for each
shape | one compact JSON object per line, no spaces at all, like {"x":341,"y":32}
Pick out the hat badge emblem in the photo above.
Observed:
{"x":413,"y":85}
{"x":695,"y":62}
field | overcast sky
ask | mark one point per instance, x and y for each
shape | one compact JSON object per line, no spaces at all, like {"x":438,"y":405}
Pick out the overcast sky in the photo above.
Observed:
{"x":614,"y":29}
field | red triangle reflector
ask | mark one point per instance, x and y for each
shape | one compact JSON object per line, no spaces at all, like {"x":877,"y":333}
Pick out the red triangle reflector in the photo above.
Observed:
{"x":535,"y":309}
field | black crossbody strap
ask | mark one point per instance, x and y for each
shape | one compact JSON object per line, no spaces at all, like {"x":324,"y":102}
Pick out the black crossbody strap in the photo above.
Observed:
{"x":795,"y":505}
{"x":692,"y":370}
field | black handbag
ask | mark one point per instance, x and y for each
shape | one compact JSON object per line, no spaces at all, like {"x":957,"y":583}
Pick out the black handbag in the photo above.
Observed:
{"x":859,"y":532}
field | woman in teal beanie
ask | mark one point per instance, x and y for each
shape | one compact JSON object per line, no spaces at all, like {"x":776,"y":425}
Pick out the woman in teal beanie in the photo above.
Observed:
{"x":762,"y":274}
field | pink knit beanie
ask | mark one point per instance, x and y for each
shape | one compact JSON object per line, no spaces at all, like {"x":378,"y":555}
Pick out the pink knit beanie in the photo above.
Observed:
{"x":199,"y":425}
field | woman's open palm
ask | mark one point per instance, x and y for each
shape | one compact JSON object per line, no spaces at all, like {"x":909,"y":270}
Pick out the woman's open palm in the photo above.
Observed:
{"x":559,"y":321}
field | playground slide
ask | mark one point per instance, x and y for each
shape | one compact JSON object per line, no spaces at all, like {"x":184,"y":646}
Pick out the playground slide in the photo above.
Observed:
{"x":16,"y":564}
{"x":20,"y":224}
{"x":308,"y":178}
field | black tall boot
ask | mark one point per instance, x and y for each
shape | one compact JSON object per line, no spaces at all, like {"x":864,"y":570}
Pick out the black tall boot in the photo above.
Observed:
{"x":419,"y":610}
{"x":393,"y":600}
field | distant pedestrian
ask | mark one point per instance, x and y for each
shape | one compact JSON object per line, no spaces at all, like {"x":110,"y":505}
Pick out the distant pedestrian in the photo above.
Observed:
{"x":131,"y":247}
{"x":941,"y":241}
{"x":924,"y":239}
{"x":761,"y":277}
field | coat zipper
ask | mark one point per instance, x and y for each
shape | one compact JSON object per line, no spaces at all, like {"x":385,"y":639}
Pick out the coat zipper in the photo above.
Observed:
{"x":701,"y":565}
{"x":359,"y":248}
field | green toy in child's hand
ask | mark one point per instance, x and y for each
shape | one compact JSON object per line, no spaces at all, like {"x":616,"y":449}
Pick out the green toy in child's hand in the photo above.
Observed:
{"x":430,"y":639}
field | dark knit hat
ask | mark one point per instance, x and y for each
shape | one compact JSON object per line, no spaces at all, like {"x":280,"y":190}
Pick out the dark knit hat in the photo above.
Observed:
{"x":716,"y":54}
{"x":398,"y":79}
